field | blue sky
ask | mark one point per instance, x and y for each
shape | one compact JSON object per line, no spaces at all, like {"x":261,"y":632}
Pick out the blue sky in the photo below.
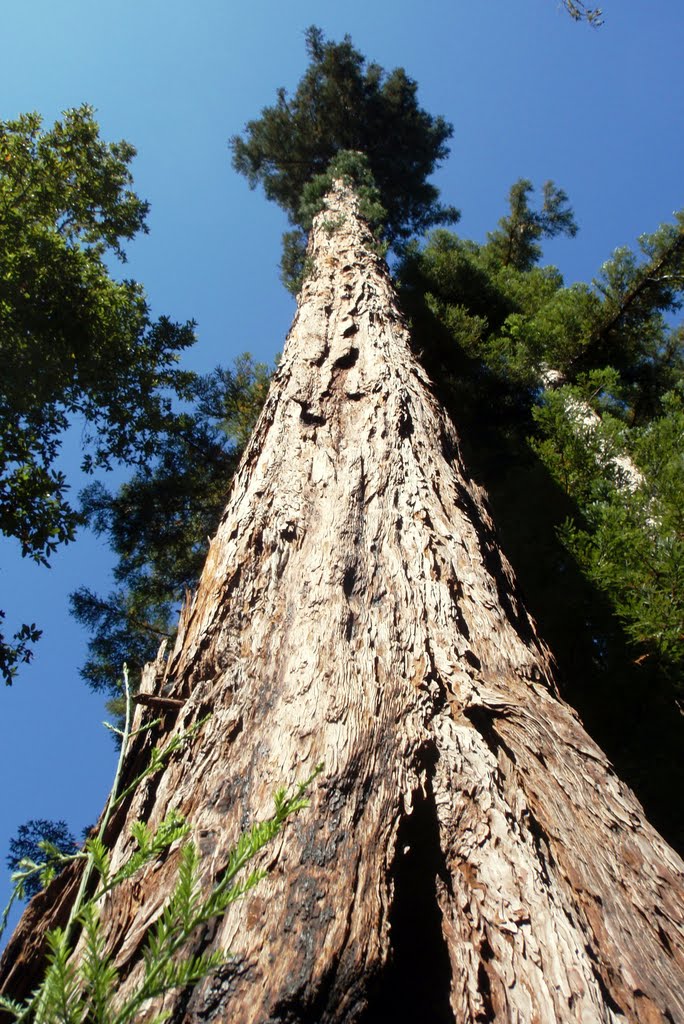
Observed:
{"x":530,"y":94}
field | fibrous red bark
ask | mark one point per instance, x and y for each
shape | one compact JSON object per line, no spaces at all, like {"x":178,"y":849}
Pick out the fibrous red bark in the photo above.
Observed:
{"x":470,"y":854}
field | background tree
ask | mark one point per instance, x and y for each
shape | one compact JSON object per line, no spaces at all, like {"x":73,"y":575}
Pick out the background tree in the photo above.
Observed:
{"x":26,"y":845}
{"x":160,"y":522}
{"x":516,"y":241}
{"x":76,"y":345}
{"x":344,"y":103}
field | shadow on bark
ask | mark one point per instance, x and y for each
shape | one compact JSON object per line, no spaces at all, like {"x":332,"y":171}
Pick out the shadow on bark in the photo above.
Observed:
{"x":416,"y":982}
{"x":629,"y":709}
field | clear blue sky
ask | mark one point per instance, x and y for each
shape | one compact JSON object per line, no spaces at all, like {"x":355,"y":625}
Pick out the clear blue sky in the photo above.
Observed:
{"x":530,"y":94}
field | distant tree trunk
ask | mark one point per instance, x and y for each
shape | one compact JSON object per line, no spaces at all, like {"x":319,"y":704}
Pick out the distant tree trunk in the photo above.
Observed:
{"x":470,"y":854}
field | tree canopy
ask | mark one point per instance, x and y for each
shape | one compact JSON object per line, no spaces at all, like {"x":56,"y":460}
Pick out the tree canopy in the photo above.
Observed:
{"x":342,"y":102}
{"x":76,"y":344}
{"x":515,"y":243}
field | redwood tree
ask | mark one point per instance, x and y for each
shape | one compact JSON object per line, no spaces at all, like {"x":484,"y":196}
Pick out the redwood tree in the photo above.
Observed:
{"x":470,"y":854}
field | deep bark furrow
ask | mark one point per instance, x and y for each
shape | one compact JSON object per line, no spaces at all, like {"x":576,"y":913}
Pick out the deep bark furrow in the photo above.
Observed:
{"x":355,"y":609}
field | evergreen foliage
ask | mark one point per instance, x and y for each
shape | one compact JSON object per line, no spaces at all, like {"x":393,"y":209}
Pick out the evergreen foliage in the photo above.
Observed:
{"x":630,"y":540}
{"x":344,"y":103}
{"x":516,"y":241}
{"x":159,"y":522}
{"x":354,"y":169}
{"x":40,"y":841}
{"x":74,"y":342}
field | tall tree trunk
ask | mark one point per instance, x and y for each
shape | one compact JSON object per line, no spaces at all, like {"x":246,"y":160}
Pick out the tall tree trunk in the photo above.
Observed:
{"x":470,"y":854}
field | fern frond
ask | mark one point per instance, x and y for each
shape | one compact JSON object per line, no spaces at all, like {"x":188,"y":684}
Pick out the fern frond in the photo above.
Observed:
{"x":58,"y":1000}
{"x":99,"y":858}
{"x":150,"y":844}
{"x":98,"y":973}
{"x":11,"y":1006}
